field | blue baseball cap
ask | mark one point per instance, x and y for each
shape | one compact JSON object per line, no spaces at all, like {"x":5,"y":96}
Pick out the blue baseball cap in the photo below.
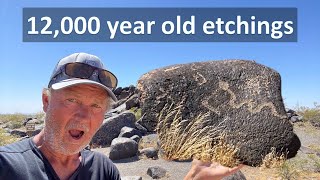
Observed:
{"x":82,"y":68}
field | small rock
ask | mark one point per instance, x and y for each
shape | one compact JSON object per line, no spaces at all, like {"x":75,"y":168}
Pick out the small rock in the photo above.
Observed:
{"x":129,"y":132}
{"x":111,"y":128}
{"x":118,"y":103}
{"x":315,"y":123}
{"x":142,"y":129}
{"x":136,"y":138}
{"x":26,"y":120}
{"x":117,"y":91}
{"x":296,"y":119}
{"x":36,"y":121}
{"x":122,"y":148}
{"x":133,"y":101}
{"x":236,"y":176}
{"x":121,"y":108}
{"x":156,"y":172}
{"x":124,"y":95}
{"x":150,"y":152}
{"x":131,"y":178}
{"x":110,"y":114}
{"x":290,"y":111}
{"x":131,"y":88}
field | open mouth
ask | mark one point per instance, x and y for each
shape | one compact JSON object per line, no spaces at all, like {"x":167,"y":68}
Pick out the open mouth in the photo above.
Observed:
{"x":76,"y":134}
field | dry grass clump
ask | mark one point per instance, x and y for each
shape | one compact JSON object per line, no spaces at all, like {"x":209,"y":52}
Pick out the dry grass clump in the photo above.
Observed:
{"x":273,"y":159}
{"x":185,"y":139}
{"x":284,"y":169}
{"x":221,"y":152}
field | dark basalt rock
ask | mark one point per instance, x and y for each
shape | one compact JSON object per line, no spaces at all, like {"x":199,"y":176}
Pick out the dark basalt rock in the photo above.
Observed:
{"x":241,"y":96}
{"x":111,"y":128}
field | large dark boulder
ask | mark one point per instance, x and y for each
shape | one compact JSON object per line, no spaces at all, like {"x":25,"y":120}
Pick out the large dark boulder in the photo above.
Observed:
{"x":18,"y":132}
{"x":241,"y":99}
{"x":111,"y":127}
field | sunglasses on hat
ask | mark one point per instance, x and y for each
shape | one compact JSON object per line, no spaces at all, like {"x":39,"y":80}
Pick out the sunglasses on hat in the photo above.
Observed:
{"x":85,"y":71}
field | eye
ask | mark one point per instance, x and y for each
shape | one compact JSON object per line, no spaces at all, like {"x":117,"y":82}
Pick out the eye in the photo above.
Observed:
{"x":72,"y":100}
{"x":96,"y":106}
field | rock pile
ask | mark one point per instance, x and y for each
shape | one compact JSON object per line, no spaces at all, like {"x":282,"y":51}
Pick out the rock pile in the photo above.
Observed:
{"x":293,"y":116}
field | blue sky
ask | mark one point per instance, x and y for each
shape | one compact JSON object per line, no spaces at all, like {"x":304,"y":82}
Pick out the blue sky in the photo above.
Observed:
{"x":26,"y":67}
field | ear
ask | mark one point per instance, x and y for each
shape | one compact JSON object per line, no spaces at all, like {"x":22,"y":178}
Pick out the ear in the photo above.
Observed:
{"x":45,"y":100}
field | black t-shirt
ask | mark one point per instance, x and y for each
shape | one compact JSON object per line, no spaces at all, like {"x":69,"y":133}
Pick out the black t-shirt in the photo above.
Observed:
{"x":23,"y":160}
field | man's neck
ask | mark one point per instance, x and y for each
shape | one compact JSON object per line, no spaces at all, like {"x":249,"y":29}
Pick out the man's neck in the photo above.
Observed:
{"x":64,"y":165}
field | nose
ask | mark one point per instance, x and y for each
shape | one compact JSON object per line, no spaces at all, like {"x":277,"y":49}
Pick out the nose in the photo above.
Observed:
{"x":84,"y":112}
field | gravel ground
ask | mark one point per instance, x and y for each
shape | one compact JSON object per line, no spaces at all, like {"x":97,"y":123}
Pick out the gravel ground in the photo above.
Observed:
{"x":307,"y":134}
{"x":138,"y":167}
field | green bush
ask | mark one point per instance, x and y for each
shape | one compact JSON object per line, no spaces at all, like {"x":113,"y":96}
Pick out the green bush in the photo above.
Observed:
{"x":288,"y":171}
{"x":316,"y":162}
{"x":6,"y":139}
{"x":311,"y":115}
{"x":136,"y":112}
{"x":14,"y":119}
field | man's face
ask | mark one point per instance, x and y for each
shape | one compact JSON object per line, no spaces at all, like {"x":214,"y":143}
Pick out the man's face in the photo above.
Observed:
{"x":73,"y":115}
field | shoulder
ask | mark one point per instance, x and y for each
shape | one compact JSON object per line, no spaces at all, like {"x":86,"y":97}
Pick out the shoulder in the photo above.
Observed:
{"x":99,"y":165}
{"x":15,"y":158}
{"x":14,"y":154}
{"x":17,"y":147}
{"x":97,"y":158}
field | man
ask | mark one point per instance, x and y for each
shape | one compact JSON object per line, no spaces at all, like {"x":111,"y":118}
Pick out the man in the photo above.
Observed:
{"x":78,"y":96}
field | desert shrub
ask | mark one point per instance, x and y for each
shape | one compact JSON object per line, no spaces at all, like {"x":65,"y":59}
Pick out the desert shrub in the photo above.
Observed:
{"x":288,"y":171}
{"x":136,"y":112}
{"x":316,"y":162}
{"x":6,"y":139}
{"x":39,"y":115}
{"x":13,"y":120}
{"x":311,"y":115}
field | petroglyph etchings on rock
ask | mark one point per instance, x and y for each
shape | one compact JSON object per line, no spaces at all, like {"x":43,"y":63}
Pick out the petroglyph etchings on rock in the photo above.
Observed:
{"x":198,"y":76}
{"x":252,"y":106}
{"x":253,"y":87}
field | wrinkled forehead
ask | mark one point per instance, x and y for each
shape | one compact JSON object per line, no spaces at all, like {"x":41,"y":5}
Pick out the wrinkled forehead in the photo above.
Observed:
{"x":88,"y":90}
